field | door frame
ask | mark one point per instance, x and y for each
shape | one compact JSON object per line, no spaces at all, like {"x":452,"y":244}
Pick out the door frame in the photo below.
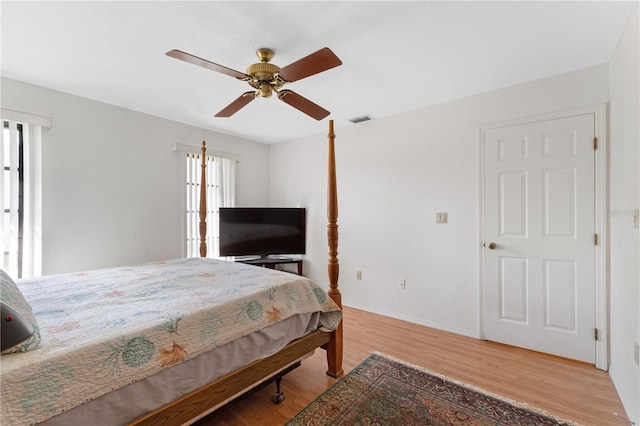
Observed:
{"x":601,"y":264}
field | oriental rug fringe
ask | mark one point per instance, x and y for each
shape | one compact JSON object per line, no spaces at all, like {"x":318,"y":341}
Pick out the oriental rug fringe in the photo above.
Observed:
{"x":386,"y":391}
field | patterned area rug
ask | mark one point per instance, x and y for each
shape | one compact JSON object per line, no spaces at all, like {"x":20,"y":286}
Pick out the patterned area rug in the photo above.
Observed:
{"x":385,"y":391}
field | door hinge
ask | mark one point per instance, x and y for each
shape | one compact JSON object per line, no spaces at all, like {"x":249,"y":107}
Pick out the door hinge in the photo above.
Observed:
{"x":595,"y":239}
{"x":595,"y":143}
{"x":595,"y":333}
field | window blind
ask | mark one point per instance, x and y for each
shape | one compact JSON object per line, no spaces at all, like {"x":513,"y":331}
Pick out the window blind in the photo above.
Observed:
{"x":220,"y":192}
{"x":20,"y":200}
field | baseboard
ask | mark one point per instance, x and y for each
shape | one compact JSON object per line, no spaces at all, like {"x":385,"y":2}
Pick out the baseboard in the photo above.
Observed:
{"x":429,"y":324}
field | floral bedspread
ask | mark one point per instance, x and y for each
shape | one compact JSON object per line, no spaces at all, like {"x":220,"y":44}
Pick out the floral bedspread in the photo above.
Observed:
{"x":104,"y":329}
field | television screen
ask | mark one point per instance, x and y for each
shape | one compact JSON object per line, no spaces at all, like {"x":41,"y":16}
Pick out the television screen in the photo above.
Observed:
{"x":262,"y":231}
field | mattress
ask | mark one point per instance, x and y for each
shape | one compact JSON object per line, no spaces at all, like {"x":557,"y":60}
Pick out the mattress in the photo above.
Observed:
{"x":103,"y":330}
{"x":126,"y":404}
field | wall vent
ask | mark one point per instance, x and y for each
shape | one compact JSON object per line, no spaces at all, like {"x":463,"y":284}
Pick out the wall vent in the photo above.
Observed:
{"x":361,"y":118}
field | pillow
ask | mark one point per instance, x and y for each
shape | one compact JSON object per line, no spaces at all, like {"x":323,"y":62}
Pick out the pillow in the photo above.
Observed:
{"x":11,"y":295}
{"x":14,"y":329}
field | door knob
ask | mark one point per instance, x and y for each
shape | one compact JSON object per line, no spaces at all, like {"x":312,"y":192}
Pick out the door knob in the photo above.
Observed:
{"x":492,"y":246}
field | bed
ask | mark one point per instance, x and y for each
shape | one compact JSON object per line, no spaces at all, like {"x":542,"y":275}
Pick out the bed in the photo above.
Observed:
{"x":151,"y":335}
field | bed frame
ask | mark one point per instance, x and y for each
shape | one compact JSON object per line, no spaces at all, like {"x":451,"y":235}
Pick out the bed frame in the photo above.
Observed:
{"x":203,"y":400}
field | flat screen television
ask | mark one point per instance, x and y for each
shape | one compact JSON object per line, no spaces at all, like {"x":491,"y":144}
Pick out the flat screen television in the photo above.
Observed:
{"x":262,"y":231}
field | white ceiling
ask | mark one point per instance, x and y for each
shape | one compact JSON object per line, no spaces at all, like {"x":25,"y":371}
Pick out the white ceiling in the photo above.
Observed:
{"x":397,"y":56}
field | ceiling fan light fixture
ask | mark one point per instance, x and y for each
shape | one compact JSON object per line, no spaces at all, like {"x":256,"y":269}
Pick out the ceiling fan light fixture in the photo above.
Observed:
{"x":265,"y":90}
{"x":361,"y":118}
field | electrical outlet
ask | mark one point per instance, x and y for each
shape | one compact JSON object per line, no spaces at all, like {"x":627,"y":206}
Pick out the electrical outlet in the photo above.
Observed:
{"x":402,"y":284}
{"x":636,"y":353}
{"x":441,"y":217}
{"x":359,"y":275}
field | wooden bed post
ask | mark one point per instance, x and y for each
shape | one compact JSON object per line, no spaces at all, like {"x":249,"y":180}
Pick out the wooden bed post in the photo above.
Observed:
{"x":206,"y":398}
{"x":203,"y":203}
{"x":334,"y":347}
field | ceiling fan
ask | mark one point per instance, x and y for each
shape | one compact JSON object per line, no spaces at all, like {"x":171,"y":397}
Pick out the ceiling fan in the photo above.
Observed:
{"x":267,"y":78}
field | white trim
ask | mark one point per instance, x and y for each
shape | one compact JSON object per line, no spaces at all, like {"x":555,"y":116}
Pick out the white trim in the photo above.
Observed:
{"x":589,"y":109}
{"x":601,"y":273}
{"x":24,"y":117}
{"x":413,"y":320}
{"x":481,"y":251}
{"x":602,"y":229}
{"x":198,"y":150}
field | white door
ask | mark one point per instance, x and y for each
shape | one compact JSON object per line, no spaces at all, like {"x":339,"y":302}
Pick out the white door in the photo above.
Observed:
{"x":539,"y":282}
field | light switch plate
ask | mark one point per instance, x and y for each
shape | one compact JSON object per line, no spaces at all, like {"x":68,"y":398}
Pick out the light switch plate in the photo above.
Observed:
{"x":441,"y":217}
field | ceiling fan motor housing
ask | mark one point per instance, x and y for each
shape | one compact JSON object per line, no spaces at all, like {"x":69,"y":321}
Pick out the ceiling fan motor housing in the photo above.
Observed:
{"x":263,"y":78}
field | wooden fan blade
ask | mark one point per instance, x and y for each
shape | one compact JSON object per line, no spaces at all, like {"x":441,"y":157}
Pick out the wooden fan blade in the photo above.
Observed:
{"x":315,"y":63}
{"x":187,"y":57}
{"x":236,"y":105}
{"x":303,"y":104}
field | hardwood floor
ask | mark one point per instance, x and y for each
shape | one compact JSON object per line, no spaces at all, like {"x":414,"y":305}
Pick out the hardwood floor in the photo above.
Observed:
{"x":568,"y":389}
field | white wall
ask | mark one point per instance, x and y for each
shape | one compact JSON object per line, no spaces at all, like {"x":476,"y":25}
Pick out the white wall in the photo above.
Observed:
{"x":111,"y":182}
{"x":624,"y":72}
{"x":394,"y":174}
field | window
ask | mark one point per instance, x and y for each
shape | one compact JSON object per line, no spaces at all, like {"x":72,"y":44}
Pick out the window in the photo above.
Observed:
{"x":220,"y":190}
{"x":20,"y":198}
{"x":12,"y":196}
